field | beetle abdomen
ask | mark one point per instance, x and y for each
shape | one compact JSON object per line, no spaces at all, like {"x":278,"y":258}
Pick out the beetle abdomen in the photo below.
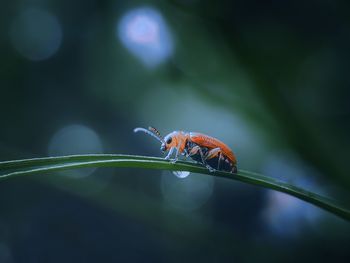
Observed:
{"x":224,"y":165}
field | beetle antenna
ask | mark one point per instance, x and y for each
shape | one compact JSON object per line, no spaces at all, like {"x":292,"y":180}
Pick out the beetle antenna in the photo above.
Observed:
{"x":151,"y":131}
{"x":156,"y":132}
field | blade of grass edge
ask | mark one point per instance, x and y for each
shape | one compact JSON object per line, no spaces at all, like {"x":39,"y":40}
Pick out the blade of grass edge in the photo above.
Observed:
{"x":51,"y":164}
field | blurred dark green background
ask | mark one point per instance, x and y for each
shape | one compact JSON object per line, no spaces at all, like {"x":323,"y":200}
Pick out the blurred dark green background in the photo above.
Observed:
{"x":269,"y":78}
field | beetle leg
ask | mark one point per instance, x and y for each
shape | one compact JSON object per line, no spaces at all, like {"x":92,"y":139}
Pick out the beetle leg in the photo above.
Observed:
{"x":199,"y":149}
{"x":195,"y":150}
{"x":220,"y":159}
{"x":170,"y":153}
{"x":178,"y":149}
{"x":213,"y":153}
{"x":176,"y":155}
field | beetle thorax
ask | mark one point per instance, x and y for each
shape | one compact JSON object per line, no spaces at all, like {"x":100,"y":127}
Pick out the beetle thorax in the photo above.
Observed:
{"x":176,"y":139}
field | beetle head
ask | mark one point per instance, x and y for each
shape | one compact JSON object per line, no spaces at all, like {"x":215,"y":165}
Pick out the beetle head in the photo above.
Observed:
{"x":168,"y":142}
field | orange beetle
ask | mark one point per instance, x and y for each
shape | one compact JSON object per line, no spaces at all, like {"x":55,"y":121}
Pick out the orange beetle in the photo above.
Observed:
{"x":211,"y":152}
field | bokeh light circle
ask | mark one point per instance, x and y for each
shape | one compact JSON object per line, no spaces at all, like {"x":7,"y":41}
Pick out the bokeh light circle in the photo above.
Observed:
{"x":145,"y":34}
{"x":281,"y":209}
{"x":6,"y":255}
{"x":36,"y":34}
{"x":187,"y":193}
{"x":75,"y":139}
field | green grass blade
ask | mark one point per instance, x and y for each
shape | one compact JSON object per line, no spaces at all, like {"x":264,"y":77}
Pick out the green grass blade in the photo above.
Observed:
{"x":15,"y":168}
{"x":16,"y":164}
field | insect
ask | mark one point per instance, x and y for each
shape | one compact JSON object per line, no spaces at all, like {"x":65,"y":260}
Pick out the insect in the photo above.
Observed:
{"x":211,"y":152}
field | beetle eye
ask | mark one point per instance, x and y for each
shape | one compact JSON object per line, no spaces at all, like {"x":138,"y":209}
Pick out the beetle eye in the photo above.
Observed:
{"x":168,"y":140}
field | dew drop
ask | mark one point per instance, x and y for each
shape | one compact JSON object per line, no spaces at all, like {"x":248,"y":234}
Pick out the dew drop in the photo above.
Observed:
{"x":181,"y":174}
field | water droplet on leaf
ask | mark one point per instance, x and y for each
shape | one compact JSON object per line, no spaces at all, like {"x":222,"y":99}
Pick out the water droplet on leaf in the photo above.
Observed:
{"x":181,"y":174}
